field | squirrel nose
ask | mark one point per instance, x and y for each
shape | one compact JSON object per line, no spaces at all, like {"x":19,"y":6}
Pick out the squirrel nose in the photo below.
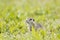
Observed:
{"x":26,"y":21}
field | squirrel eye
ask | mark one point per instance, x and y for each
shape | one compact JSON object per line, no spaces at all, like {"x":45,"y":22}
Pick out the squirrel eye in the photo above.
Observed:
{"x":30,"y":19}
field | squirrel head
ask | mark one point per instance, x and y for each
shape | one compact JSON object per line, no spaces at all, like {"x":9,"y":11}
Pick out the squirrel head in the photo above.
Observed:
{"x":30,"y":20}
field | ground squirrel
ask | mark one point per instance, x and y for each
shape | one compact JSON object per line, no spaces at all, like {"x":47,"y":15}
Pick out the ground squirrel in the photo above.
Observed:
{"x":31,"y":23}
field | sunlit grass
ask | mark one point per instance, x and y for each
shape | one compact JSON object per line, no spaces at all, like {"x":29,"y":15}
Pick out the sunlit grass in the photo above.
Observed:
{"x":13,"y":14}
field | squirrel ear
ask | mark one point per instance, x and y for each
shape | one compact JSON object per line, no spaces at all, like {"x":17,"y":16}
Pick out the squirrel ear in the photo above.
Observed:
{"x":33,"y":20}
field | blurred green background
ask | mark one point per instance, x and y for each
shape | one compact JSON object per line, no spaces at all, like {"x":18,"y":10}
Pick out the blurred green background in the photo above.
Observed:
{"x":13,"y":14}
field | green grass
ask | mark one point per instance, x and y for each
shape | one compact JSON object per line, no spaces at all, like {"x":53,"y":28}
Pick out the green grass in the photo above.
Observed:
{"x":13,"y":14}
